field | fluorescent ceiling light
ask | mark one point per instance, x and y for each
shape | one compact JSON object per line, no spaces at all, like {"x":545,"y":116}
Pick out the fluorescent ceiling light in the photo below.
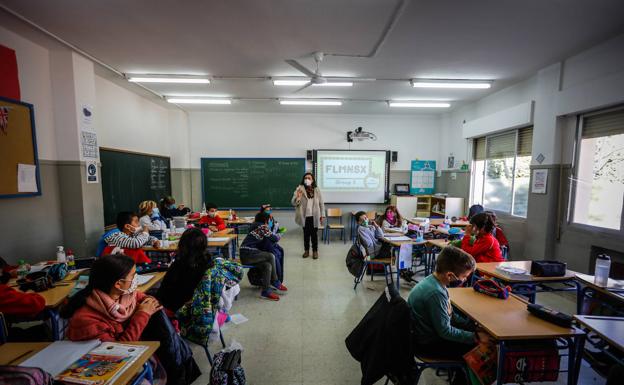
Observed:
{"x":311,"y":102}
{"x":419,"y":104}
{"x":188,"y":80}
{"x":425,"y":83}
{"x":199,"y":101}
{"x":298,"y":82}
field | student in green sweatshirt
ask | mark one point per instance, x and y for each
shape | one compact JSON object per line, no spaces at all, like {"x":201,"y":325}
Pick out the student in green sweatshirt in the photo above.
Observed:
{"x":439,"y":331}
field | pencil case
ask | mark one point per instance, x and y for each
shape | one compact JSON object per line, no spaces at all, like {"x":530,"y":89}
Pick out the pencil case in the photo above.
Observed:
{"x":548,"y":268}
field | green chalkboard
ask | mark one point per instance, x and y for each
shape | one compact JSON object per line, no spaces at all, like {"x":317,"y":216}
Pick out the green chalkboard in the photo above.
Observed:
{"x":129,"y":178}
{"x":241,"y":183}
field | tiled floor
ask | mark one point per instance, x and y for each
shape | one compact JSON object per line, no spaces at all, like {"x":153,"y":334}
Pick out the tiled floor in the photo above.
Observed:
{"x":300,"y":339}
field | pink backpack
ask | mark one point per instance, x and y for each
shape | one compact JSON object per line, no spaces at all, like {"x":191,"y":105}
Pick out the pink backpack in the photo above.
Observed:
{"x":20,"y":375}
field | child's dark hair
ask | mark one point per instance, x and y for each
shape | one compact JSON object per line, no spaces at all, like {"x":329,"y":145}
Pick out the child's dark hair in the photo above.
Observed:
{"x":262,"y":217}
{"x":313,"y":179}
{"x":210,"y":206}
{"x":358,"y":215}
{"x":398,"y":217}
{"x":264,"y":207}
{"x":474,"y":210}
{"x":483,"y":221}
{"x":192,"y":250}
{"x":455,"y":260}
{"x":105,"y":271}
{"x":124,"y":218}
{"x":166,"y":202}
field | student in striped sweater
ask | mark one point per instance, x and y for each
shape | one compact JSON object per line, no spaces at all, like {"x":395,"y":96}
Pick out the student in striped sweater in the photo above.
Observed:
{"x":130,"y":238}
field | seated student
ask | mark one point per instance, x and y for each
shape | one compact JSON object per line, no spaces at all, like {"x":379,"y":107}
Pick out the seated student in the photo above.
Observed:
{"x":130,"y":238}
{"x":370,"y":235}
{"x":19,"y":306}
{"x":485,"y":248}
{"x":439,"y":331}
{"x":194,"y":284}
{"x":273,"y":224}
{"x":393,"y":219}
{"x":265,"y":218}
{"x":498,"y":232}
{"x":251,"y":253}
{"x":192,"y":263}
{"x":109,"y":308}
{"x":149,"y":217}
{"x":212,"y":220}
{"x":169,"y":209}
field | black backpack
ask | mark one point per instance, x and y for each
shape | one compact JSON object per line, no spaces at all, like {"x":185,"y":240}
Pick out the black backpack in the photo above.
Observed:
{"x":227,"y":369}
{"x":355,"y":260}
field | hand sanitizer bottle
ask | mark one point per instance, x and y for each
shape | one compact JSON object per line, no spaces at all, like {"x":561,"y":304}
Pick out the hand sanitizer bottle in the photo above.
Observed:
{"x":60,"y":254}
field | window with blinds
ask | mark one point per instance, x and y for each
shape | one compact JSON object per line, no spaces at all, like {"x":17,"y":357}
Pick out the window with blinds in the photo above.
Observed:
{"x":501,"y":170}
{"x":599,"y":182}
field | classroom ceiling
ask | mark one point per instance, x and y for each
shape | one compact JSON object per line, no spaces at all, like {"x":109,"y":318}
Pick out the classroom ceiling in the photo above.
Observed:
{"x":500,"y":40}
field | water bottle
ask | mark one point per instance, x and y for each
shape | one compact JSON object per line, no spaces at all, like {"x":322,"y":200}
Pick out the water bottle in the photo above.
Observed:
{"x":171,"y":226}
{"x":71,"y":264}
{"x":601,"y":270}
{"x":230,"y":215}
{"x":22,"y":269}
{"x":60,"y":254}
{"x":203,"y":212}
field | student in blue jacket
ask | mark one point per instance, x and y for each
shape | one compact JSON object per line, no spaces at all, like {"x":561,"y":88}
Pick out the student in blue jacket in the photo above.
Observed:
{"x":370,"y":235}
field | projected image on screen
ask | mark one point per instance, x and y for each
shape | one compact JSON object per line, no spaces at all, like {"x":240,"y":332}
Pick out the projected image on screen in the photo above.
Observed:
{"x":352,"y":176}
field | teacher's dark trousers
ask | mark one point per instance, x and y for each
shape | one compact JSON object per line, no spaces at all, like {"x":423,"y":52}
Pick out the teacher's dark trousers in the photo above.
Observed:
{"x":310,"y":234}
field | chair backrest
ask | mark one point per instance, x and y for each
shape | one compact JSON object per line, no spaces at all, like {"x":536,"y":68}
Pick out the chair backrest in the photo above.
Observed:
{"x":224,"y":214}
{"x":109,"y":228}
{"x":334,"y":213}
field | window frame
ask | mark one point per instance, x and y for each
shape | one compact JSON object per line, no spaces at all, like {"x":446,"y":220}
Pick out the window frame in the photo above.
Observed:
{"x":510,"y":213}
{"x":574,"y":174}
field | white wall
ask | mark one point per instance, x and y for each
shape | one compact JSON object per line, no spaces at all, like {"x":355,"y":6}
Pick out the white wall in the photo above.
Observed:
{"x":33,"y":63}
{"x":290,"y":135}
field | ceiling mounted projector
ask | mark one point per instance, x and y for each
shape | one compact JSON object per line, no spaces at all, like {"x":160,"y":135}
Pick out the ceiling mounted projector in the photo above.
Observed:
{"x":360,"y":135}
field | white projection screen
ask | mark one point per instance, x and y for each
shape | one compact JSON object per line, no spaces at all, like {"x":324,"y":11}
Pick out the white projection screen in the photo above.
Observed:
{"x":352,"y":176}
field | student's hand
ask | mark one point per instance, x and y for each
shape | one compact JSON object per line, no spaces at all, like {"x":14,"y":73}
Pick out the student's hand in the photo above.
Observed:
{"x":468,"y":231}
{"x":213,"y":228}
{"x":156,"y":244}
{"x":150,"y":305}
{"x":482,"y":337}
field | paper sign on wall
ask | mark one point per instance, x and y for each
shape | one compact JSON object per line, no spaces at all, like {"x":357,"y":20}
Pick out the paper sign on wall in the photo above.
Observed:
{"x":540,"y":178}
{"x":92,"y":172}
{"x":26,"y":178}
{"x":88,"y":141}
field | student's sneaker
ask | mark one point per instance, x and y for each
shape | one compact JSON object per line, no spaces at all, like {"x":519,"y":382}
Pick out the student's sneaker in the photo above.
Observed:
{"x":279,"y":287}
{"x":268,"y":294}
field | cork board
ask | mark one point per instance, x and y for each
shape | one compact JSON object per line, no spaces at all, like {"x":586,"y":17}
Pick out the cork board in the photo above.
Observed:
{"x":18,"y":145}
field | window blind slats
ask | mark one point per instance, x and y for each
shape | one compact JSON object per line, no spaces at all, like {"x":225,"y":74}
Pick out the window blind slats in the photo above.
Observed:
{"x":479,"y":149}
{"x":501,"y":146}
{"x":605,"y":124}
{"x":525,"y":141}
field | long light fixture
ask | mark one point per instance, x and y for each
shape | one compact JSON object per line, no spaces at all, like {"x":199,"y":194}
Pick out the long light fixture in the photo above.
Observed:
{"x":450,"y":83}
{"x":408,"y":104}
{"x":310,"y":102}
{"x":167,"y":79}
{"x":198,"y":101}
{"x":297,"y":82}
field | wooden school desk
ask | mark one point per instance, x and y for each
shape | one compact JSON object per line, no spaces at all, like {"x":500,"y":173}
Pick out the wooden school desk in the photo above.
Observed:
{"x":609,"y":330}
{"x":13,"y":353}
{"x":614,"y":290}
{"x":216,"y":245}
{"x":529,"y":286}
{"x":396,"y":249}
{"x":432,"y":247}
{"x":509,"y":320}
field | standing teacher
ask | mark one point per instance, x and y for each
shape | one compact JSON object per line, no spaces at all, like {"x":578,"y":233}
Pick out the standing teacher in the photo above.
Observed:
{"x":309,"y":212}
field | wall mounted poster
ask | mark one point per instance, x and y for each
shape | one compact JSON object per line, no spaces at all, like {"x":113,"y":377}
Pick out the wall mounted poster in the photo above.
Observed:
{"x":422,"y":179}
{"x":19,"y":169}
{"x":540,"y":178}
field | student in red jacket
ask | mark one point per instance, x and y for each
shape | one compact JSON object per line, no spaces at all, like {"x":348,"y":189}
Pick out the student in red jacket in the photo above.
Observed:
{"x":18,"y":304}
{"x":212,"y":220}
{"x":110,"y":308}
{"x":486,"y":247}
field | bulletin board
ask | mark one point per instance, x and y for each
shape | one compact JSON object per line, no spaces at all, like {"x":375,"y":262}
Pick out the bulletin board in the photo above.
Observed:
{"x":422,"y":177}
{"x":19,"y":164}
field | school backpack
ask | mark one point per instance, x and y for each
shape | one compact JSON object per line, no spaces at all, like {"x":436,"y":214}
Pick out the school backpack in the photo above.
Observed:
{"x":20,"y":375}
{"x":355,"y":260}
{"x":255,"y":277}
{"x":227,"y":369}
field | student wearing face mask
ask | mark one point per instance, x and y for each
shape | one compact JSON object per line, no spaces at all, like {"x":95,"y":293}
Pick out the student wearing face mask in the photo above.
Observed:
{"x":392,"y":219}
{"x":439,"y":331}
{"x":485,"y":247}
{"x":130,"y":238}
{"x":212,"y":220}
{"x":149,"y":217}
{"x":169,"y":209}
{"x":370,"y":235}
{"x":309,"y":210}
{"x":109,"y":308}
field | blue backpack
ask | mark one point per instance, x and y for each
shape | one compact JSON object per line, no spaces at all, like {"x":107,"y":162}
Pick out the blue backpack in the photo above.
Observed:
{"x":102,"y":243}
